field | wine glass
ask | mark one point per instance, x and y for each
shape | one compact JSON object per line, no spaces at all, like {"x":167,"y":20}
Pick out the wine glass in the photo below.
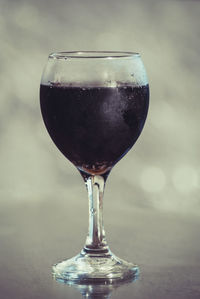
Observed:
{"x":94,"y":106}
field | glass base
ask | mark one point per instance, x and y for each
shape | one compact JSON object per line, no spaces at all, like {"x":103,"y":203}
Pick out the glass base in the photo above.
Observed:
{"x":88,"y":268}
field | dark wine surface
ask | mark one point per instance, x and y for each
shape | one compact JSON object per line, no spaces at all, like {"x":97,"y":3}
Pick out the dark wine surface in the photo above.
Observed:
{"x":94,"y":126}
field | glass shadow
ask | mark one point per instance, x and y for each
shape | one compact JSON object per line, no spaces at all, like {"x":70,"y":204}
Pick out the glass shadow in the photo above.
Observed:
{"x":96,"y":290}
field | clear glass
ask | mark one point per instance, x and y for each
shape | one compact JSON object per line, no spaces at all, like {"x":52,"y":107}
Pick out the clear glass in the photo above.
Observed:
{"x":94,"y":106}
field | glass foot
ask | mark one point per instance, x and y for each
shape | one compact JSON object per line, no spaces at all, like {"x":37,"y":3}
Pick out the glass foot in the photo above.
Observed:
{"x":97,"y":268}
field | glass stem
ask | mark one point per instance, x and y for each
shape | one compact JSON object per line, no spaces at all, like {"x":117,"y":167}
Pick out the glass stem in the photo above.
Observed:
{"x":96,"y":242}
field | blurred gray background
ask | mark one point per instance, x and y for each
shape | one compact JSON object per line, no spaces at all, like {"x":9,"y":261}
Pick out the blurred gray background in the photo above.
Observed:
{"x":162,"y":171}
{"x":152,"y":201}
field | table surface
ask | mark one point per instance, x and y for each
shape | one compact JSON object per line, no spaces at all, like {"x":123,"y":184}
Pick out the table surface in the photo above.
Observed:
{"x":36,"y":234}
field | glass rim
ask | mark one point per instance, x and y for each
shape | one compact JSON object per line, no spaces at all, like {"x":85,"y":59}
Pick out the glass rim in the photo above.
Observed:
{"x":93,"y":54}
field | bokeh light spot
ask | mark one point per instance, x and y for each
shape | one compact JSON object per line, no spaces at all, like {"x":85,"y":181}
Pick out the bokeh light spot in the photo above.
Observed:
{"x":185,"y":178}
{"x":153,"y":179}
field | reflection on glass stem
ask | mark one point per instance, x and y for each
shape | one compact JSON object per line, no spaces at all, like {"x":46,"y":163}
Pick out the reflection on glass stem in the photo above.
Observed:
{"x":95,"y":262}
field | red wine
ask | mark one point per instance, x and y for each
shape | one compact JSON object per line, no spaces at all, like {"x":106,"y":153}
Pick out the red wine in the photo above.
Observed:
{"x":94,"y":126}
